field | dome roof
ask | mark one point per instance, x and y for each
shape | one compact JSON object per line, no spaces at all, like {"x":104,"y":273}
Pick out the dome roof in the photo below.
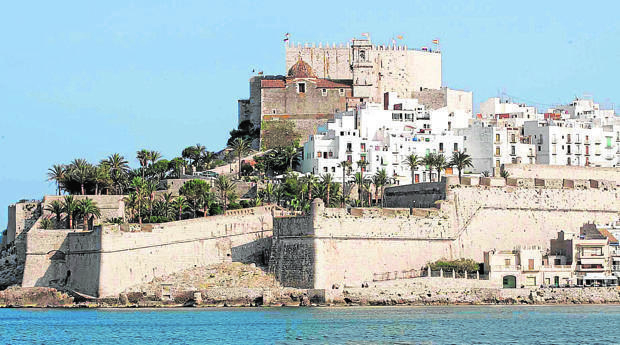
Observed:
{"x":301,"y":70}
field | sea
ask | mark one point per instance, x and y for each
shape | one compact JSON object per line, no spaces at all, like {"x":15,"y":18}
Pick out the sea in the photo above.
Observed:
{"x":587,"y":324}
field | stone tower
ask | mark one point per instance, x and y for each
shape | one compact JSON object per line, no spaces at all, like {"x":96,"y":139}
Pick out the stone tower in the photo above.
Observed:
{"x":362,"y":68}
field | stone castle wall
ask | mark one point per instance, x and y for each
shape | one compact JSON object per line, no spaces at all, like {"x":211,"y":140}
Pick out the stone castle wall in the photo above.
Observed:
{"x":402,"y":70}
{"x":104,"y":262}
{"x":342,"y":249}
{"x":544,"y":171}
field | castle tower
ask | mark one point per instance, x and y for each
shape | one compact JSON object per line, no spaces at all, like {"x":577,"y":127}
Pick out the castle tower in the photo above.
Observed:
{"x":362,"y":68}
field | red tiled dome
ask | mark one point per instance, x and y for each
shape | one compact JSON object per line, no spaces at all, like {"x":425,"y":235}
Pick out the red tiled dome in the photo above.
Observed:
{"x":301,"y":70}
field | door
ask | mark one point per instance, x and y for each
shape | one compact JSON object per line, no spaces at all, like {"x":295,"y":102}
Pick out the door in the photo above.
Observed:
{"x":417,"y":178}
{"x":509,"y":282}
{"x":556,"y":281}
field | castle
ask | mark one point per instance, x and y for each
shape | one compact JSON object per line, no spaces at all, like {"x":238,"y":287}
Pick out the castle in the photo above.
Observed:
{"x":323,"y":80}
{"x":328,"y":248}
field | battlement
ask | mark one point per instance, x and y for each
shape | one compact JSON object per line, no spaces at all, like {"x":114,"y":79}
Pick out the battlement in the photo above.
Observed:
{"x":334,"y":46}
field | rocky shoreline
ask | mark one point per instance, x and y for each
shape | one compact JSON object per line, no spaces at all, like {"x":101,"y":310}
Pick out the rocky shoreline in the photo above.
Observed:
{"x":41,"y":297}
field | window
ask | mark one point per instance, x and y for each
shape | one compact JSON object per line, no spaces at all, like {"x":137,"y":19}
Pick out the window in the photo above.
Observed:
{"x":324,"y":92}
{"x":324,"y":169}
{"x":530,"y":281}
{"x":506,"y":262}
{"x":538,"y":148}
{"x":333,"y":169}
{"x":341,"y":92}
{"x":497,"y":137}
{"x":440,"y":147}
{"x":497,"y":151}
{"x":456,"y":147}
{"x":318,"y":154}
{"x":301,"y":87}
{"x":513,"y":150}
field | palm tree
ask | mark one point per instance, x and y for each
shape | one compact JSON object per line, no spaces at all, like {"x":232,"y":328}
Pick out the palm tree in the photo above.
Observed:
{"x":101,"y":176}
{"x":180,"y":203}
{"x":461,"y":160}
{"x":224,"y":186}
{"x":154,"y":156}
{"x":359,"y":181}
{"x":139,"y":186}
{"x":239,"y":148}
{"x":362,"y":164}
{"x":440,"y":164}
{"x":380,"y":179}
{"x":429,"y":162}
{"x":289,"y":153}
{"x":345,"y":165}
{"x":309,"y":181}
{"x":69,"y":206}
{"x":167,"y":199}
{"x":327,"y":180}
{"x":57,"y":209}
{"x":131,"y":201}
{"x":118,"y":169}
{"x":143,"y":158}
{"x":82,"y":172}
{"x":269,"y":191}
{"x":56,"y":173}
{"x":412,"y":161}
{"x":87,"y":207}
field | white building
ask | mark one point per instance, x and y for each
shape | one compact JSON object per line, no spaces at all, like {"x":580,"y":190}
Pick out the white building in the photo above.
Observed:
{"x":586,"y":109}
{"x":574,"y":142}
{"x":490,"y":147}
{"x":384,"y":135}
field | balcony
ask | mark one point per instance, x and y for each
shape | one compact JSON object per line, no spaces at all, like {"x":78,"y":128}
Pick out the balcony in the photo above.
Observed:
{"x":609,"y":156}
{"x":554,"y":141}
{"x":578,"y":141}
{"x":615,"y":268}
{"x":558,"y":267}
{"x":591,"y":255}
{"x":531,"y":154}
{"x":497,"y":154}
{"x":587,"y":142}
{"x":590,"y":269}
{"x":506,"y":268}
{"x":513,"y":154}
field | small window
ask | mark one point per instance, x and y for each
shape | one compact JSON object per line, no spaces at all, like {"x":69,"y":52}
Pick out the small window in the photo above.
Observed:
{"x":301,"y":87}
{"x":324,"y":169}
{"x":341,"y":92}
{"x":333,"y":169}
{"x":318,"y":154}
{"x":324,"y":92}
{"x":274,"y":111}
{"x":497,"y":137}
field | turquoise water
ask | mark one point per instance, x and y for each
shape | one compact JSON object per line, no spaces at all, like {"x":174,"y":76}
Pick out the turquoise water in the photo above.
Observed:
{"x":380,"y":325}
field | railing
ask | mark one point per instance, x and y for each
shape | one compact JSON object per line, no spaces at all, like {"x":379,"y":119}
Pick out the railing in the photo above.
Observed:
{"x":505,"y":268}
{"x":587,"y":142}
{"x":590,"y":255}
{"x":581,"y":268}
{"x":554,"y":141}
{"x":394,"y":275}
{"x":562,"y":267}
{"x":453,"y":274}
{"x":615,"y":268}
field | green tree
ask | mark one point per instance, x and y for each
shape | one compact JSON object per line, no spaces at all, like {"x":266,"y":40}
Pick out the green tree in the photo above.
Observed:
{"x":346,"y":167}
{"x":327,"y":180}
{"x":196,"y":191}
{"x":379,"y":179}
{"x":361,"y":164}
{"x":81,"y":172}
{"x":180,"y":204}
{"x":269,"y":191}
{"x":70,"y":206}
{"x":119,"y":167}
{"x":461,"y":160}
{"x":429,"y":162}
{"x":56,"y":173}
{"x":309,"y":181}
{"x":440,"y":164}
{"x":240,"y":147}
{"x":143,"y":157}
{"x":139,"y":186}
{"x":412,"y":161}
{"x":86,"y":208}
{"x":57,"y":209}
{"x":224,"y":186}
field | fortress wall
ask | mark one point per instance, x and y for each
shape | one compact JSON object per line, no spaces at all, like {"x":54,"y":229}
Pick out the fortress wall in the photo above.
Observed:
{"x":111,"y":206}
{"x":351,"y":262}
{"x":563,"y":172}
{"x":41,"y":266}
{"x":505,"y":229}
{"x":131,"y":258}
{"x":326,"y":62}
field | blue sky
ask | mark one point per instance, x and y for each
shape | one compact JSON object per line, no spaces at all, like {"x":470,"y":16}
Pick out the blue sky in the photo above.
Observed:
{"x":86,"y":80}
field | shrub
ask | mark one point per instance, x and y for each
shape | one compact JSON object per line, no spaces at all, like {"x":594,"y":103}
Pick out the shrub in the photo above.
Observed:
{"x":460,"y":265}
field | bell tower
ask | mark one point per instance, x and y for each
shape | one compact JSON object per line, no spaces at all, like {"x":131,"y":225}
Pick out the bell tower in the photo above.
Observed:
{"x":362,"y":68}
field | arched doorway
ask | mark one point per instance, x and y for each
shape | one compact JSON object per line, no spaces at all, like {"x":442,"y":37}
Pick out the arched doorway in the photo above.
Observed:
{"x":509,"y":282}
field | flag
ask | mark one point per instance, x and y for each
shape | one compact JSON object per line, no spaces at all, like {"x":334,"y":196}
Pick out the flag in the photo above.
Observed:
{"x":424,"y":48}
{"x":286,"y":36}
{"x":435,"y":41}
{"x":400,"y":37}
{"x":365,"y":34}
